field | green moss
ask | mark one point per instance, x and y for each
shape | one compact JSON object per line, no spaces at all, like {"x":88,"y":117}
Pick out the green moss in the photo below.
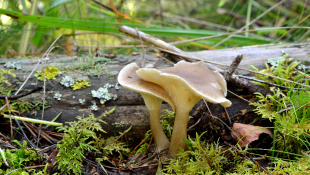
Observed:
{"x":48,"y":72}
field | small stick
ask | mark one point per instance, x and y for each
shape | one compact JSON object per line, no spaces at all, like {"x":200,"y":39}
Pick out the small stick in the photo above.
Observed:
{"x":232,"y":68}
{"x":143,"y":51}
{"x":227,"y":116}
{"x":195,"y":123}
{"x":272,"y":84}
{"x":26,"y":168}
{"x":14,"y":97}
{"x":7,"y":104}
{"x":134,"y":150}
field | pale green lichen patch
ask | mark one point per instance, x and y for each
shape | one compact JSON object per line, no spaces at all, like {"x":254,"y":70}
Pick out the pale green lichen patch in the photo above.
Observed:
{"x":93,"y":107}
{"x":48,"y":73}
{"x":13,"y":65}
{"x":103,"y":93}
{"x":82,"y":101}
{"x":58,"y":96}
{"x":121,"y":124}
{"x":67,"y":81}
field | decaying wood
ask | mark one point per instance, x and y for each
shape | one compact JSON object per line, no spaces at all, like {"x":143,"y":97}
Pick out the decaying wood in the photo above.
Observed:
{"x":130,"y":110}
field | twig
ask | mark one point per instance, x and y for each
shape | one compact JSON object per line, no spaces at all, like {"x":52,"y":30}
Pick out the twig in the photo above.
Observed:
{"x":195,"y":123}
{"x":155,"y":154}
{"x":216,"y":117}
{"x":238,"y":96}
{"x":22,"y":130}
{"x":273,"y":84}
{"x":7,"y":104}
{"x":134,"y":150}
{"x":103,"y":169}
{"x":232,"y":68}
{"x":118,"y":136}
{"x":143,"y":51}
{"x":14,"y":97}
{"x":26,"y":168}
{"x":228,"y":117}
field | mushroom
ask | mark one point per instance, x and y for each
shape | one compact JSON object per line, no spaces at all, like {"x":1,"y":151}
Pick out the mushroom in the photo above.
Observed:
{"x":153,"y":96}
{"x":187,"y":83}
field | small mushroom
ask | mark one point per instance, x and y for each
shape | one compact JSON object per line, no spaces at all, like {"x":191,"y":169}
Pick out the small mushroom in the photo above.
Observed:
{"x":153,"y":96}
{"x":187,"y":83}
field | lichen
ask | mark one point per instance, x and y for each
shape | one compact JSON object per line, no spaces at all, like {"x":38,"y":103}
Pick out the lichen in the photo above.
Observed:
{"x":67,"y":81}
{"x":13,"y":65}
{"x":117,"y":86}
{"x":48,"y":73}
{"x":58,"y":96}
{"x":82,"y":101}
{"x":121,"y":124}
{"x":80,"y":83}
{"x":93,"y":107}
{"x":275,"y":61}
{"x":2,"y":78}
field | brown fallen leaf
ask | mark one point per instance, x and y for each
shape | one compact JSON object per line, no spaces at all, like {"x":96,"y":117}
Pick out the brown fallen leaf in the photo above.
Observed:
{"x":243,"y":131}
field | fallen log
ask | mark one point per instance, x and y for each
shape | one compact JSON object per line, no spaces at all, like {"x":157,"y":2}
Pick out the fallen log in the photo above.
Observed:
{"x":130,"y":108}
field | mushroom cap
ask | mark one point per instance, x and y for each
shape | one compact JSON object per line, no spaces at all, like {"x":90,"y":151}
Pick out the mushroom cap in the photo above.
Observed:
{"x":195,"y":77}
{"x":129,"y":79}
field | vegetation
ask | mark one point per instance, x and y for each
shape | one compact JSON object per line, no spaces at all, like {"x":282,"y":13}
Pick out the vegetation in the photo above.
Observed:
{"x":199,"y":18}
{"x":74,"y":142}
{"x":29,"y":27}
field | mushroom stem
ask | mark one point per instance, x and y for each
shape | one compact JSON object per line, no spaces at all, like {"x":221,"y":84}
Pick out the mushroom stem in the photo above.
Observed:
{"x":179,"y":132}
{"x":154,"y":104}
{"x":161,"y":139}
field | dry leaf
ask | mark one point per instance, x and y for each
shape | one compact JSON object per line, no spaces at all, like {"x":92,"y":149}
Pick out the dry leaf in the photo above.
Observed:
{"x":239,"y":130}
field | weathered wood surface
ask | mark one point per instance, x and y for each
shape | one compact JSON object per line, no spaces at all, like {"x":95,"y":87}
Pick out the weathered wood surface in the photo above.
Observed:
{"x":256,"y":55}
{"x":131,"y":110}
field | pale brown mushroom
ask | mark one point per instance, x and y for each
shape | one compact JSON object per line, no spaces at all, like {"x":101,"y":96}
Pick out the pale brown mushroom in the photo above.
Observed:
{"x":153,"y":96}
{"x":187,"y":83}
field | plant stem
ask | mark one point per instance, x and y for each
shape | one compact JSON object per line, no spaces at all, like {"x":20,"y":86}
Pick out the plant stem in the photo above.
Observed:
{"x":34,"y":120}
{"x":274,"y":145}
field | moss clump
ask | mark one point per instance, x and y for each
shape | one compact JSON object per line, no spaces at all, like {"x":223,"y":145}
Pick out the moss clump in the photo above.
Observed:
{"x":79,"y":84}
{"x":48,"y":73}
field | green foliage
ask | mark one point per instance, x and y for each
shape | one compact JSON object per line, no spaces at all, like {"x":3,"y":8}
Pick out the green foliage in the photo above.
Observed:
{"x":28,"y":106}
{"x":48,"y":73}
{"x":18,"y":158}
{"x":204,"y":158}
{"x":290,"y":116}
{"x":80,"y":83}
{"x":282,"y":67}
{"x":287,"y":108}
{"x":2,"y":78}
{"x":267,"y":106}
{"x":109,"y":146}
{"x":301,"y":166}
{"x":166,"y":122}
{"x":76,"y":140}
